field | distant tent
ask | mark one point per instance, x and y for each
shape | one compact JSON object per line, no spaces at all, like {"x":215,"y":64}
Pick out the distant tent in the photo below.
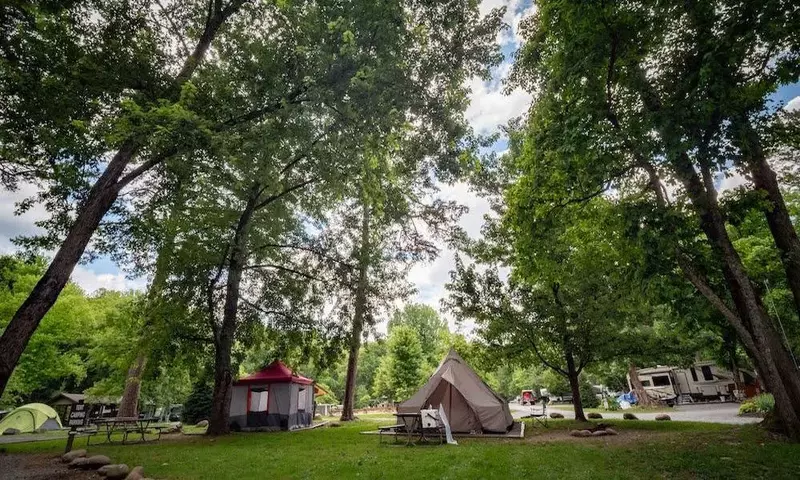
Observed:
{"x":31,"y":417}
{"x":470,"y":405}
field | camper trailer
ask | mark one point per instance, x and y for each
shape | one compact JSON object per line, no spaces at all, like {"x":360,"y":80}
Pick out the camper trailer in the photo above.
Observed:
{"x":703,"y":381}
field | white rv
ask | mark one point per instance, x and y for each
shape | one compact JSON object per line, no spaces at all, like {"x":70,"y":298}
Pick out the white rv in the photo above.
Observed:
{"x":703,"y":381}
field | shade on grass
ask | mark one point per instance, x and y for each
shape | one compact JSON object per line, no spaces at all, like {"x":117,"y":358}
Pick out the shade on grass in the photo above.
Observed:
{"x":650,"y":449}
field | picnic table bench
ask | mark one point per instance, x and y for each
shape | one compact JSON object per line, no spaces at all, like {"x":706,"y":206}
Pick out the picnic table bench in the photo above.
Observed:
{"x":126,"y":426}
{"x":414,"y":428}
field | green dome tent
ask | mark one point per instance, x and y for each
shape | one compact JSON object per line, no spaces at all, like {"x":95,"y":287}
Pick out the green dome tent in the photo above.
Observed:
{"x":31,"y":417}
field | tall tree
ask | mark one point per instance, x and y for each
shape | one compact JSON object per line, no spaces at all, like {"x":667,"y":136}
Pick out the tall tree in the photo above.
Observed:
{"x":647,"y":107}
{"x":430,"y":328}
{"x":118,"y":96}
{"x":573,"y":295}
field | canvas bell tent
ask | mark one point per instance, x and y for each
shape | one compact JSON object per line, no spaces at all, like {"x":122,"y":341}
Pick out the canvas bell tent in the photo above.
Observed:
{"x":31,"y":417}
{"x":470,"y":405}
{"x":274,"y":398}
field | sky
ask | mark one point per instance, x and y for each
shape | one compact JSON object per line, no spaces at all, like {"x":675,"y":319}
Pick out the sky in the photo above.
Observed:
{"x":490,"y":108}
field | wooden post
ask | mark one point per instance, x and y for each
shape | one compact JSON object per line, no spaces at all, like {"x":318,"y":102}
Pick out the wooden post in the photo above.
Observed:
{"x":77,"y":418}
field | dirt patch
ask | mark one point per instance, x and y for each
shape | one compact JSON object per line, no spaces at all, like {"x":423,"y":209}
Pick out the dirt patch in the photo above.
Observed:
{"x":18,"y":466}
{"x":624,"y":437}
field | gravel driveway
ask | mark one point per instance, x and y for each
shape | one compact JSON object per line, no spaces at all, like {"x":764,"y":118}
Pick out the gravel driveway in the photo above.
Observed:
{"x":710,"y":412}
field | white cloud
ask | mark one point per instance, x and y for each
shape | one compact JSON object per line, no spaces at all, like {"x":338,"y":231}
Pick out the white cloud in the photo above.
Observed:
{"x":732,"y":181}
{"x":794,"y":104}
{"x":91,"y":281}
{"x":12,"y":225}
{"x":490,"y":107}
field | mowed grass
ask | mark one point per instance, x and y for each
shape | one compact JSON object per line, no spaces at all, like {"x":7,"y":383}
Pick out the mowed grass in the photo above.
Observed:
{"x":644,"y":449}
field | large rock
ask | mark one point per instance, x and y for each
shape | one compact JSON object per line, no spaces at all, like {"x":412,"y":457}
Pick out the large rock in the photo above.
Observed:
{"x":594,"y":415}
{"x":629,"y":416}
{"x":136,"y":474}
{"x":77,"y":463}
{"x":96,"y":461}
{"x":114,"y":471}
{"x":556,"y":415}
{"x":611,"y":431}
{"x":10,"y":431}
{"x":599,"y":433}
{"x":580,"y":433}
{"x":72,"y":455}
{"x":202,"y":423}
{"x":662,"y":417}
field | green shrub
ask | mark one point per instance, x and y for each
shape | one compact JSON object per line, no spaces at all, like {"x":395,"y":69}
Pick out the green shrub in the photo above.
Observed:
{"x":613,"y":404}
{"x":588,"y":397}
{"x":198,"y":405}
{"x":763,"y":403}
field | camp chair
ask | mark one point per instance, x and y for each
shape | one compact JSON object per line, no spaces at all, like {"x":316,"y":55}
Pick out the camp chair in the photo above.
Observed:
{"x":432,"y":424}
{"x":540,"y":416}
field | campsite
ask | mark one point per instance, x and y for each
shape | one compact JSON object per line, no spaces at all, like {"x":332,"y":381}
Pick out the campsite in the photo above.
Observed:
{"x":399,"y":239}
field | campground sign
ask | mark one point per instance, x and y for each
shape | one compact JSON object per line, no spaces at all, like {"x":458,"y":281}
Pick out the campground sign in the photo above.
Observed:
{"x":78,"y":415}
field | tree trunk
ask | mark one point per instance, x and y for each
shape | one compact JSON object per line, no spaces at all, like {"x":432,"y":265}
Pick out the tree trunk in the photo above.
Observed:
{"x":27,"y":318}
{"x":642,"y":398}
{"x":129,"y":405}
{"x":101,"y":197}
{"x":218,"y":424}
{"x":130,"y":398}
{"x":774,"y":363}
{"x":358,"y":319}
{"x":575,"y":386}
{"x":777,"y":214}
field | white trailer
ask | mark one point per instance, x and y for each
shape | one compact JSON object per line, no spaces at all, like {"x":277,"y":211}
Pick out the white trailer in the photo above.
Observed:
{"x":703,"y":381}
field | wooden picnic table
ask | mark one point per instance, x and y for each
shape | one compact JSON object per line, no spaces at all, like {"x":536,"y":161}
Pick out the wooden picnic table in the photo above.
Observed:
{"x":126,"y":425}
{"x":414,"y":428}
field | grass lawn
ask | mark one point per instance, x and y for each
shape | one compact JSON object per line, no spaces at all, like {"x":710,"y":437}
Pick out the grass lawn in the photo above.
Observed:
{"x":644,"y":449}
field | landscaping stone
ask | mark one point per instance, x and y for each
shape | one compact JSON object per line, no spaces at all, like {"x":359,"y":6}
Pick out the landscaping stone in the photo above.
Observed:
{"x":114,"y":471}
{"x":662,"y":417}
{"x":96,"y":461}
{"x":77,"y":463}
{"x":580,"y":433}
{"x":556,"y":415}
{"x":70,"y":456}
{"x":629,"y":416}
{"x":594,"y":415}
{"x":10,"y":431}
{"x":136,"y":474}
{"x":202,"y":423}
{"x":599,"y":433}
{"x":611,"y":431}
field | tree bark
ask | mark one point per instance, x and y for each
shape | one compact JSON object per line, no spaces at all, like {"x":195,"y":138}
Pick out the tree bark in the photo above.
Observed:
{"x":774,"y":363}
{"x":573,"y":375}
{"x":27,"y":318}
{"x":777,"y":214}
{"x":129,"y":405}
{"x":218,"y":424}
{"x":101,"y":197}
{"x":642,"y":398}
{"x":358,"y":319}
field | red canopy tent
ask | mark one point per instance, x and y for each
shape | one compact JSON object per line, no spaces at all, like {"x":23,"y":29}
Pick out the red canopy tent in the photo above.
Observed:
{"x":273,"y":398}
{"x":275,"y":372}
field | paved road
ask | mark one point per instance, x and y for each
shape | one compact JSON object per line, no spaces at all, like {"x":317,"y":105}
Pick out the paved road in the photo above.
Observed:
{"x":712,"y":412}
{"x":30,"y":437}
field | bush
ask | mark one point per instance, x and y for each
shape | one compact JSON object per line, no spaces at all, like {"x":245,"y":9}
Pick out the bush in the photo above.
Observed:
{"x":588,"y":397}
{"x":613,"y":404}
{"x":763,"y":403}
